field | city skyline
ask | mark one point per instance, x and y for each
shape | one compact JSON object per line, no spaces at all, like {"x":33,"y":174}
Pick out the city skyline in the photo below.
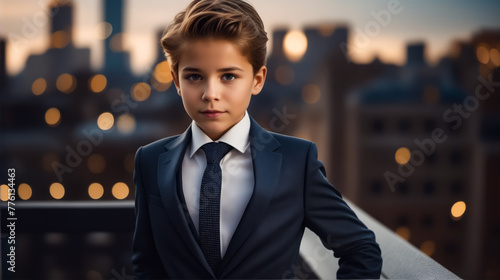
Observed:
{"x":378,"y":28}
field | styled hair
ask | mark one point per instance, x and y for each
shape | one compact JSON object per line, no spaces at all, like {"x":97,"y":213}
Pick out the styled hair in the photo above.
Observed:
{"x":233,"y":20}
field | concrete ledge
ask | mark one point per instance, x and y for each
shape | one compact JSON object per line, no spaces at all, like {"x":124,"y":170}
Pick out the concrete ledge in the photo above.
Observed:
{"x":401,"y":259}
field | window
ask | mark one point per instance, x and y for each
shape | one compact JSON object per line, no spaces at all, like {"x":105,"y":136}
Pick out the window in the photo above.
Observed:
{"x":404,"y":125}
{"x":427,"y":221}
{"x":429,"y":188}
{"x":451,"y":248}
{"x":402,"y":188}
{"x":403,"y":220}
{"x":456,"y":157}
{"x":378,"y":126}
{"x":429,"y":125}
{"x":431,"y":158}
{"x":456,"y":188}
{"x":376,"y":187}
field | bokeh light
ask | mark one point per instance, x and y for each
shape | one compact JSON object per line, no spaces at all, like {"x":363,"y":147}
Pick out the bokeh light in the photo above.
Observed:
{"x":140,"y":91}
{"x":66,"y":83}
{"x":53,"y":117}
{"x":126,"y":123}
{"x":311,"y":94}
{"x":4,"y":192}
{"x":120,"y":190}
{"x":295,"y":45}
{"x":161,"y":87}
{"x":402,"y":155}
{"x":57,"y":190}
{"x":96,"y":190}
{"x":103,"y":30}
{"x":326,"y":29}
{"x":117,"y":42}
{"x":24,"y":191}
{"x":428,"y":247}
{"x":162,"y":72}
{"x":96,"y":163}
{"x":403,"y":232}
{"x":483,"y":54}
{"x":495,"y":56}
{"x":458,"y":210}
{"x":39,"y":86}
{"x":105,"y":121}
{"x":98,"y":83}
{"x":59,"y":39}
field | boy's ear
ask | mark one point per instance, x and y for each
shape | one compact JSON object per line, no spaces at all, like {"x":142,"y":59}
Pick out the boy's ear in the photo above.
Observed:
{"x":259,"y":80}
{"x":176,"y":82}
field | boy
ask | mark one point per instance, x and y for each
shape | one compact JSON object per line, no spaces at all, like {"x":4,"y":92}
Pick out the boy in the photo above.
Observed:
{"x":227,"y":199}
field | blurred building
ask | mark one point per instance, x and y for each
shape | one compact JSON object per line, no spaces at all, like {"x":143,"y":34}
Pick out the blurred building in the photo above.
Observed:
{"x":61,"y":55}
{"x":411,"y":159}
{"x":71,"y":134}
{"x":364,"y":116}
{"x":3,"y":64}
{"x":116,"y":59}
{"x":486,"y":44}
{"x":69,"y":125}
{"x":476,"y":68}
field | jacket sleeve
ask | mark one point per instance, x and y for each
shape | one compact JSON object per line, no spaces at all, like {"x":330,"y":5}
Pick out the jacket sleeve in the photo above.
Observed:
{"x":338,"y":227}
{"x":145,"y":259}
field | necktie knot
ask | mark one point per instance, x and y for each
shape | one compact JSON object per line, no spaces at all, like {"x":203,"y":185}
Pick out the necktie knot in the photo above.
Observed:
{"x":216,"y":151}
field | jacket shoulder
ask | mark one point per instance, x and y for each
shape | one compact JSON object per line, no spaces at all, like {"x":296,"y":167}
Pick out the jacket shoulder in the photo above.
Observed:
{"x":158,"y":145}
{"x":291,"y":141}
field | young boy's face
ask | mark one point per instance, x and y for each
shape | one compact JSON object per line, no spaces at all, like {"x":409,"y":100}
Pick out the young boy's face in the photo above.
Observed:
{"x":216,"y":82}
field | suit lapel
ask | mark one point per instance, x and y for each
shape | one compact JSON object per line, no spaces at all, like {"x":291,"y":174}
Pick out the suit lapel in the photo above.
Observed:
{"x":266,"y":164}
{"x":169,"y":163}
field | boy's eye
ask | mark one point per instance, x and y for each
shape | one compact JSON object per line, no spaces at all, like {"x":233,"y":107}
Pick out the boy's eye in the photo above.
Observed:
{"x":228,"y":77}
{"x":193,"y":77}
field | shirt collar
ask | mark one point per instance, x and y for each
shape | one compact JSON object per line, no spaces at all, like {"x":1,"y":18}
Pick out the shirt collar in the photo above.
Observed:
{"x":237,"y":136}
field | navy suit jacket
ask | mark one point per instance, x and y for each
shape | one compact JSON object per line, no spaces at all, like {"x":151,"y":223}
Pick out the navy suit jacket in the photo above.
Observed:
{"x":291,"y":192}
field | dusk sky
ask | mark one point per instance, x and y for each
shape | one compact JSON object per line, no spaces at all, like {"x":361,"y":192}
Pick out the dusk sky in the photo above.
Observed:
{"x":437,"y":23}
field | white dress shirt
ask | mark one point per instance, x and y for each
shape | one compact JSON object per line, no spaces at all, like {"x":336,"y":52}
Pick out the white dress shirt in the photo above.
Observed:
{"x":237,"y":177}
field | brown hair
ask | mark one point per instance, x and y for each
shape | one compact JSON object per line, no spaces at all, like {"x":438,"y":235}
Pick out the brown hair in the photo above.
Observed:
{"x":233,"y":20}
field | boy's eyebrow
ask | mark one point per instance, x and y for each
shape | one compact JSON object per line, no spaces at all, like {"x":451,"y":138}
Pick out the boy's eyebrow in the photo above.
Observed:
{"x":229,"y":69}
{"x":190,"y":69}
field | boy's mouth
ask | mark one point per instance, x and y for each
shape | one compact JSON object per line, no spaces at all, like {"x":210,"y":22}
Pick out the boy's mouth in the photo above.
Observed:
{"x":212,"y":113}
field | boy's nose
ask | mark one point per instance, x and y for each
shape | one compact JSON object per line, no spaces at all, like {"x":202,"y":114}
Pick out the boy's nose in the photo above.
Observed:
{"x":211,"y":92}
